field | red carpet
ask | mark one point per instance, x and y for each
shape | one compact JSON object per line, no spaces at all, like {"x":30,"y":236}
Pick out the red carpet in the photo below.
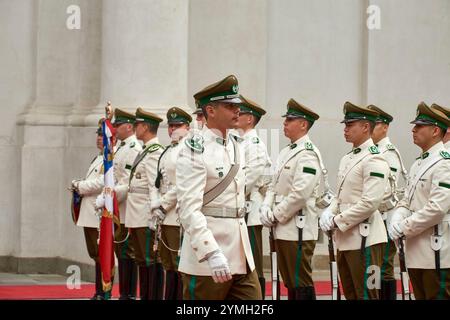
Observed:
{"x":27,"y":292}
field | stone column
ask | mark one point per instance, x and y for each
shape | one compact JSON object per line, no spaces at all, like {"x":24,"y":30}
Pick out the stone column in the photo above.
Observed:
{"x":144,"y":55}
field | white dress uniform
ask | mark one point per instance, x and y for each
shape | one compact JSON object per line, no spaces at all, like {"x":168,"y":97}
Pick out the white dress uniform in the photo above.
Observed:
{"x":397,"y":172}
{"x":447,"y":145}
{"x":295,"y":186}
{"x":257,"y":163}
{"x":123,"y":160}
{"x":197,"y":172}
{"x":427,"y":197}
{"x":142,"y":185}
{"x":90,"y":188}
{"x":362,"y":179}
{"x":168,"y":191}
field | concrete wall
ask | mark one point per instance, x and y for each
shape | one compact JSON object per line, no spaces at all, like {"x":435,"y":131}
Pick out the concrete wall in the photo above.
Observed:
{"x":55,"y":82}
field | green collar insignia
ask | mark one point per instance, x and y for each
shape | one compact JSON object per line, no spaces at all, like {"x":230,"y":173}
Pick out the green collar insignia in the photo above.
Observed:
{"x":374,"y":150}
{"x":309,"y":146}
{"x":293,"y":145}
{"x":356,"y":150}
{"x":220,"y":141}
{"x":255,"y":140}
{"x":424,"y":155}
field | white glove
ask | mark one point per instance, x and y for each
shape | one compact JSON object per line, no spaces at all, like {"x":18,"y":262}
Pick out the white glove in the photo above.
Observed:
{"x":100,"y":201}
{"x":397,"y":218}
{"x":395,"y":230}
{"x":74,"y":185}
{"x":219,"y":267}
{"x":158,"y":214}
{"x":266,"y":216}
{"x":154,"y":204}
{"x":326,"y":222}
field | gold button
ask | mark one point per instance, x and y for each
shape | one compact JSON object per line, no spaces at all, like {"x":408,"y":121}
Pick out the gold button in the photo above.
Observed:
{"x":195,"y":249}
{"x":205,"y":243}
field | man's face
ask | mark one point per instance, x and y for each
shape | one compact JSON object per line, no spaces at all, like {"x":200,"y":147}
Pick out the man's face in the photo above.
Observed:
{"x":422,"y":134}
{"x":141,"y":129}
{"x":200,"y":118}
{"x":177,"y":130}
{"x":354,"y":131}
{"x":245,"y":120}
{"x":99,"y":142}
{"x":227,"y":115}
{"x":293,"y":127}
{"x":122,"y":130}
{"x":379,"y":131}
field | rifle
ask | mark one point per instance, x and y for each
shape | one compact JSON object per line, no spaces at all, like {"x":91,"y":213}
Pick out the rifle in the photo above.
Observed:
{"x":274,"y":267}
{"x":336,"y":292}
{"x":406,"y":294}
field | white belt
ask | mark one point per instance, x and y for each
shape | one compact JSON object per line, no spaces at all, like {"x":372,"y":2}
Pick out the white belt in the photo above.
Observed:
{"x":222,"y":212}
{"x":141,"y":190}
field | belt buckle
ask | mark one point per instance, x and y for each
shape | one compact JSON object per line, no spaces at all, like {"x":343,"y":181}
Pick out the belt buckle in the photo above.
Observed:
{"x":240,"y":212}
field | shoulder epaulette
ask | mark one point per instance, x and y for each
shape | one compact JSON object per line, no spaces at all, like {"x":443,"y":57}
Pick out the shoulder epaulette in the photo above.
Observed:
{"x":390,"y":147}
{"x":445,"y":154}
{"x":195,"y":143}
{"x":309,"y":146}
{"x":154,"y":147}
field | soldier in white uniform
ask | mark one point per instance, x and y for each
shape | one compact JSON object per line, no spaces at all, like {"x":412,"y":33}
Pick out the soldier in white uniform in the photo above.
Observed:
{"x":216,"y":261}
{"x":393,"y":193}
{"x":290,"y":203}
{"x":140,"y":187}
{"x":164,"y":206}
{"x":422,"y":216}
{"x":360,"y":233}
{"x":124,"y":156}
{"x":89,"y":188}
{"x":199,"y":117}
{"x":257,"y":167}
{"x":446,"y":111}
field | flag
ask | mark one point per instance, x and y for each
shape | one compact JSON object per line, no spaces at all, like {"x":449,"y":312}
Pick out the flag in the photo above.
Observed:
{"x":110,"y":214}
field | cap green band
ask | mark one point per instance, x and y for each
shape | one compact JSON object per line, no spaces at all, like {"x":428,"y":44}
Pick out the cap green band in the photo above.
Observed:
{"x":123,"y":120}
{"x":383,"y":119}
{"x":432,"y":121}
{"x":217,"y":97}
{"x":178,"y":119}
{"x":360,"y":116}
{"x":147,"y":120}
{"x":297,"y":113}
{"x":245,"y":109}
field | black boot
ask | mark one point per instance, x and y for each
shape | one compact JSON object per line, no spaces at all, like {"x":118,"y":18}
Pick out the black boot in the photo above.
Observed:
{"x":99,"y":294}
{"x":171,"y":285}
{"x":133,"y":278}
{"x":179,"y":295}
{"x":305,"y":293}
{"x":291,"y":294}
{"x":143,"y":282}
{"x":388,"y":290}
{"x":123,"y":282}
{"x":262,"y":283}
{"x":155,"y":288}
